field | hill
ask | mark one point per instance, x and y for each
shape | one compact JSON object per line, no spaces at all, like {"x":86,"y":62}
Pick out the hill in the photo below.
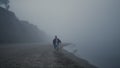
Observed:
{"x":13,"y":30}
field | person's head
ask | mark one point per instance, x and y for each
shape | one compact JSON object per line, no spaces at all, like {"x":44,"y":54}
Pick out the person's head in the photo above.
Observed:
{"x":55,"y":36}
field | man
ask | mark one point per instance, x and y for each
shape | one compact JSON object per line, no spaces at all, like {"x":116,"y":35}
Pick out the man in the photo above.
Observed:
{"x":56,"y":42}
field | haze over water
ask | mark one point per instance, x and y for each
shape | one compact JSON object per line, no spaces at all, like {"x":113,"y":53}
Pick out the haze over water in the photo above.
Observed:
{"x":93,"y":26}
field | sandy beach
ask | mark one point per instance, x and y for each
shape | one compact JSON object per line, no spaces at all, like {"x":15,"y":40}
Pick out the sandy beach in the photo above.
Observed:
{"x":38,"y":56}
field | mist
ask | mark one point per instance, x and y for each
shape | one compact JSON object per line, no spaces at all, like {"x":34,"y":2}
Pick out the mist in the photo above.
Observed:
{"x":91,"y":25}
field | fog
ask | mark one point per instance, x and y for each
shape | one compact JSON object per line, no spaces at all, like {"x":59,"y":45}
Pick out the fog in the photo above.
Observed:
{"x":91,"y":25}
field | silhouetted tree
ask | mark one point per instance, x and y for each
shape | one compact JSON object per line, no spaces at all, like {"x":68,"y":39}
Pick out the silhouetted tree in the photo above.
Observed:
{"x":6,"y":3}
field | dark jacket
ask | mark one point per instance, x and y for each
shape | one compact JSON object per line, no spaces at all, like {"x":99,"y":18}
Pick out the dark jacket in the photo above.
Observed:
{"x":56,"y":41}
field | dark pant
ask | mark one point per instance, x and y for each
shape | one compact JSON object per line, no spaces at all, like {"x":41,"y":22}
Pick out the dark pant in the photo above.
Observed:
{"x":55,"y":46}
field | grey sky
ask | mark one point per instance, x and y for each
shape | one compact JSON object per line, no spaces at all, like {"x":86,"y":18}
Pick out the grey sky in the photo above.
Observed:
{"x":63,"y":17}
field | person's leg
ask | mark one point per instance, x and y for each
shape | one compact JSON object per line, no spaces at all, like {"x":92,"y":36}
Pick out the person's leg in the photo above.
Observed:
{"x":57,"y":47}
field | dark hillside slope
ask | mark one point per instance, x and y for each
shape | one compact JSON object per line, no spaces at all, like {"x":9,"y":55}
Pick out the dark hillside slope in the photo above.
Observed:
{"x":12,"y":30}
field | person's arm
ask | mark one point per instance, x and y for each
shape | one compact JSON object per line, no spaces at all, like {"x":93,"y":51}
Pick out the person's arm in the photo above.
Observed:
{"x":60,"y":41}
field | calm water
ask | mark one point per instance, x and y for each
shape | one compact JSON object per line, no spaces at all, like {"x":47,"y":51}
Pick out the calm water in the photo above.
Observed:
{"x":103,"y":55}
